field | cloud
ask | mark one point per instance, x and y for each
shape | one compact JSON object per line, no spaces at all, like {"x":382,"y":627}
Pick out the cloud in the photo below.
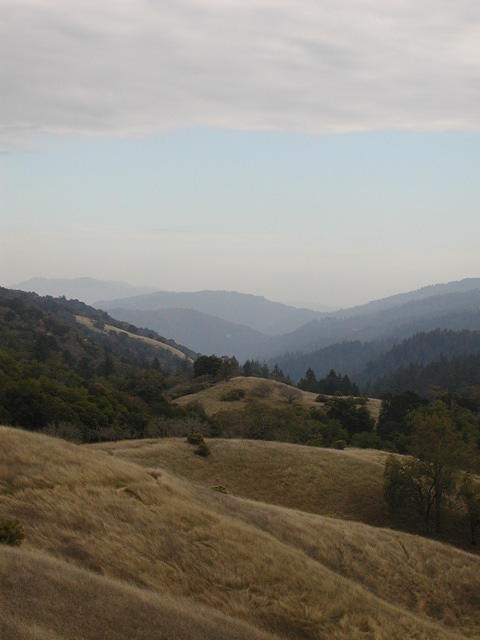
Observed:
{"x":130,"y":67}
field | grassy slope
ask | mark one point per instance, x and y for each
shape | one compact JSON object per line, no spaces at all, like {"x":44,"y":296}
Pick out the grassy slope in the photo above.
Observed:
{"x":342,"y":484}
{"x":108,"y":328}
{"x":48,"y":599}
{"x":293,"y":574}
{"x":211,"y":401}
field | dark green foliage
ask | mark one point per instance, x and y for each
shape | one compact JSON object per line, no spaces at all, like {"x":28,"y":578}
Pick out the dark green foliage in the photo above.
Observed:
{"x":207,"y":366}
{"x":394,"y":424}
{"x":220,"y":488}
{"x":339,"y":444}
{"x":441,"y":444}
{"x":195,"y":438}
{"x":353,"y":418}
{"x":342,"y":356}
{"x":332,"y":384}
{"x":422,"y":349}
{"x":59,"y":376}
{"x":397,"y":487}
{"x":469,"y":494}
{"x":11,"y":533}
{"x":256,"y":368}
{"x":366,"y":440}
{"x":202,"y":450}
{"x":446,"y":375}
{"x":233,"y":395}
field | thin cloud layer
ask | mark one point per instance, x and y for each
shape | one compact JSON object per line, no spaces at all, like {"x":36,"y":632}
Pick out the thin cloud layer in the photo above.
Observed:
{"x":137,"y":66}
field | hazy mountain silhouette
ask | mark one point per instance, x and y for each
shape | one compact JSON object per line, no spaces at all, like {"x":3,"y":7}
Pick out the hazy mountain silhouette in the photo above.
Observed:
{"x":87,"y":290}
{"x":202,"y":332}
{"x":271,"y":318}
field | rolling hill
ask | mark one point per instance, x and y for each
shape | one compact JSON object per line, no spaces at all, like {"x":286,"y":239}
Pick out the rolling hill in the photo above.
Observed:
{"x":147,"y":544}
{"x":260,"y":390}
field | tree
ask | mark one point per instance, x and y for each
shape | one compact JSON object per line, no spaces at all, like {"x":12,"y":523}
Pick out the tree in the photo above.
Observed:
{"x":229,"y":368}
{"x":397,"y":487}
{"x":291,"y":394}
{"x":394,"y":425}
{"x":428,"y":478}
{"x":439,"y":452}
{"x":309,"y":382}
{"x":354,"y":419}
{"x":207,"y":366}
{"x":469,"y":494}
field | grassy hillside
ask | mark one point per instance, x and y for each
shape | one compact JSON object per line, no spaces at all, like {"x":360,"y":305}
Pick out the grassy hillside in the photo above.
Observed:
{"x":285,"y":572}
{"x":151,"y":342}
{"x":47,"y":599}
{"x":341,"y":484}
{"x":268,"y":392}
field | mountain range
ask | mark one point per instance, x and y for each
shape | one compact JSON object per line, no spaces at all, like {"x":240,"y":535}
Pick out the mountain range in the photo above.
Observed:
{"x":248,"y":326}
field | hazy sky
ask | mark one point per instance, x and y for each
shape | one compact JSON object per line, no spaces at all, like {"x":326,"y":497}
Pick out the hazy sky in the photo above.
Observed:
{"x":321,"y":152}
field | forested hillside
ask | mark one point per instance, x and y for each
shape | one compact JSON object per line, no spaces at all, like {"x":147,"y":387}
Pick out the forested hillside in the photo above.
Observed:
{"x":460,"y":374}
{"x":78,"y":378}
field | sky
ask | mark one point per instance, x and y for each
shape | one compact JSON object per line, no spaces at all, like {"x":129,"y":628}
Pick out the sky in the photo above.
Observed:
{"x":315,"y":152}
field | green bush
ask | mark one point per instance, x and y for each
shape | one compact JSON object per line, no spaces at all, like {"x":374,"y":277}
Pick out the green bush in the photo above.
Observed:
{"x":232,"y":395}
{"x":220,"y":488}
{"x":202,"y":450}
{"x":11,"y":533}
{"x":195,"y":438}
{"x":339,"y":444}
{"x":366,"y":440}
{"x":321,"y":398}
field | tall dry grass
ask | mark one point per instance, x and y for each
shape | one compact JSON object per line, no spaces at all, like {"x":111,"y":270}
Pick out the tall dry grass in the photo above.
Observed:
{"x":48,"y":599}
{"x":284,"y":572}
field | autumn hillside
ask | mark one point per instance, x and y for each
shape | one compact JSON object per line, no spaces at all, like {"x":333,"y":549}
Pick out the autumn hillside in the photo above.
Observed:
{"x":269,"y":392}
{"x":133,"y":546}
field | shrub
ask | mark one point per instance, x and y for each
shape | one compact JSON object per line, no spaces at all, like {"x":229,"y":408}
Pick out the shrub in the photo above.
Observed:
{"x":11,"y":533}
{"x":232,"y":395}
{"x":291,"y":394}
{"x":220,"y":488}
{"x":366,"y":440}
{"x":339,"y":444}
{"x":195,"y":438}
{"x":321,"y":398}
{"x":202,"y":450}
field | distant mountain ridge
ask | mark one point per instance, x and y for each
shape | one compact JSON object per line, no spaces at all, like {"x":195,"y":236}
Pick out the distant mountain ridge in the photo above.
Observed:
{"x":256,"y":312}
{"x":448,"y":311}
{"x":430,"y":291}
{"x":249,"y":326}
{"x":87,"y":290}
{"x":202,"y":332}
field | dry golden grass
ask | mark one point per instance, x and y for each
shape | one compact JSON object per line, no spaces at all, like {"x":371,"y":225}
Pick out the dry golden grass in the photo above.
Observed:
{"x":269,"y":392}
{"x":284,"y":572}
{"x":88,"y":322}
{"x":343,"y":484}
{"x":48,"y":599}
